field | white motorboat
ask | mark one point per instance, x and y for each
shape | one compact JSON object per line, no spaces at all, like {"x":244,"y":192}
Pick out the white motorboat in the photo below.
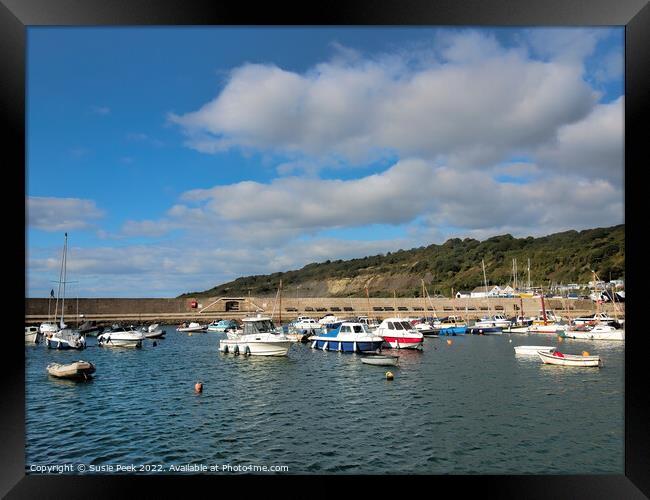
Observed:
{"x":154,"y":332}
{"x":597,"y":332}
{"x":192,"y":327}
{"x":120,"y":337}
{"x":532,"y":350}
{"x":425,"y":329}
{"x":558,"y":358}
{"x":400,"y":334}
{"x":306,"y":324}
{"x":32,"y":335}
{"x":258,"y":337}
{"x":78,"y":370}
{"x":223,"y":325}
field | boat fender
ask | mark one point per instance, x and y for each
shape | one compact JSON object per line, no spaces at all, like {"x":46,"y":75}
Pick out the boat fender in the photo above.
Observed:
{"x":247,"y":352}
{"x":225,"y":349}
{"x":236,"y":350}
{"x":585,"y":353}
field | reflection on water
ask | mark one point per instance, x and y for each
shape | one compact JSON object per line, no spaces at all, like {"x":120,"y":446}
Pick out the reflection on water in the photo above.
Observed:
{"x":471,"y":406}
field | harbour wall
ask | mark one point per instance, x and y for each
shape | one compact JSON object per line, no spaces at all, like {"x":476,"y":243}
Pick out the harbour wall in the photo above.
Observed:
{"x":171,"y":311}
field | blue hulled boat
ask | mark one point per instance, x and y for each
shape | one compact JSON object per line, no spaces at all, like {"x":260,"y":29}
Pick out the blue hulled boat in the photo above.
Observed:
{"x":452,"y":330}
{"x":348,"y":337}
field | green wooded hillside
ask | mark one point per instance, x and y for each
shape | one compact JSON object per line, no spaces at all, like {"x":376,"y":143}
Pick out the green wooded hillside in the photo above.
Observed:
{"x":565,"y":257}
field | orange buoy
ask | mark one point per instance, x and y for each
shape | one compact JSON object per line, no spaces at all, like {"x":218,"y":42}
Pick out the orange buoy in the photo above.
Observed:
{"x":198,"y":387}
{"x":560,"y":339}
{"x":585,"y":353}
{"x":449,"y":342}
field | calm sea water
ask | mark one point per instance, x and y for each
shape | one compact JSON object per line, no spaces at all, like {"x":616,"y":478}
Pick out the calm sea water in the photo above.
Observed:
{"x":471,"y":407}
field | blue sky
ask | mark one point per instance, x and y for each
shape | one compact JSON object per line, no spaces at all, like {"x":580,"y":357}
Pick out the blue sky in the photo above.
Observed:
{"x":180,"y":158}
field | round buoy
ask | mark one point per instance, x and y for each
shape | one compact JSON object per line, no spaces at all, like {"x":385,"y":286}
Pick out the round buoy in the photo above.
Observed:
{"x":155,"y":343}
{"x":510,"y":341}
{"x":189,"y":334}
{"x":198,"y":387}
{"x":449,"y":341}
{"x":585,"y":353}
{"x":389,"y":375}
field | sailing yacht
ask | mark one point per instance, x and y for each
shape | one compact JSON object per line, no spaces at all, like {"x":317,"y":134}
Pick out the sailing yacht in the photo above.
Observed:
{"x":64,"y":337}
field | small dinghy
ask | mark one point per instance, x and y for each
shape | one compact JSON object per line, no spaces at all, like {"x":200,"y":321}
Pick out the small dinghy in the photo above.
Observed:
{"x":79,"y":370}
{"x":558,"y":358}
{"x":532,"y":350}
{"x":379,"y":359}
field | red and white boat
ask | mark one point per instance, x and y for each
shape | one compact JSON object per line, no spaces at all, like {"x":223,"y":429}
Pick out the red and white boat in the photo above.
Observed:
{"x":400,"y":334}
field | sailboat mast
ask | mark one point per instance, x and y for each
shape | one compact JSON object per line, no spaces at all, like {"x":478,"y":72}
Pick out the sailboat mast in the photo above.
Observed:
{"x":424,"y":302}
{"x":65,"y":264}
{"x":486,"y":290}
{"x":543,"y":306}
{"x":280,"y":312}
{"x":368,"y":298}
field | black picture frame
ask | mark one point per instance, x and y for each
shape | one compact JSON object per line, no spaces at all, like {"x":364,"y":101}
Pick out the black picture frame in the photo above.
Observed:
{"x":16,"y":15}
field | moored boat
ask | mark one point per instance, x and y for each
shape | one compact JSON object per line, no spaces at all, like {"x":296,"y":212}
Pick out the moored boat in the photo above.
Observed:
{"x":120,"y":337}
{"x":192,"y":327}
{"x":532,"y":350}
{"x":258,"y":337}
{"x":379,"y":359}
{"x":484,"y":328}
{"x":223,"y":325}
{"x":399,"y":334}
{"x":597,"y":332}
{"x":348,"y":337}
{"x":561,"y":359}
{"x":78,"y":370}
{"x":154,"y":332}
{"x":32,"y":335}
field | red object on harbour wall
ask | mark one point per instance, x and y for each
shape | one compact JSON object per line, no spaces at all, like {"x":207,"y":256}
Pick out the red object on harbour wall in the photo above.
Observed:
{"x":193,"y":304}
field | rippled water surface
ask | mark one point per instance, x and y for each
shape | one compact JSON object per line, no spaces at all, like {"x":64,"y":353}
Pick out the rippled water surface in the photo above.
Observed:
{"x":469,"y":407}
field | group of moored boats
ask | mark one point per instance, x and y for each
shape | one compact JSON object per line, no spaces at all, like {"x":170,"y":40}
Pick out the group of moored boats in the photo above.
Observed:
{"x":64,"y":338}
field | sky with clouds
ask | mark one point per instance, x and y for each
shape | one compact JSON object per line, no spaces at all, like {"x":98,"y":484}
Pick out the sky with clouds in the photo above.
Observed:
{"x":181,"y":158}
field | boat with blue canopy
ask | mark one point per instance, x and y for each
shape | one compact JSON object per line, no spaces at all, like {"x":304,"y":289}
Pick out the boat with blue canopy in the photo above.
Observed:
{"x":348,"y":337}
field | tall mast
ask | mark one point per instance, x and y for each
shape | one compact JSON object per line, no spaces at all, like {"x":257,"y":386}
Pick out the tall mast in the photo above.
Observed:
{"x":64,"y":266}
{"x":528,"y":274}
{"x":280,"y":312}
{"x":368,"y":298}
{"x":486,"y":290}
{"x":543,"y":307}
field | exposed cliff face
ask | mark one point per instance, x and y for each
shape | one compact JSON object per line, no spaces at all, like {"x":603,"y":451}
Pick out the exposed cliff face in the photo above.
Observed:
{"x":566,"y":257}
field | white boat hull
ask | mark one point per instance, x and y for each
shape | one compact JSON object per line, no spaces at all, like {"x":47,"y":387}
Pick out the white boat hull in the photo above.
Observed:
{"x":532,"y":350}
{"x":256,"y":348}
{"x":617,"y":335}
{"x":32,"y":337}
{"x":124,"y":339}
{"x":569,"y":360}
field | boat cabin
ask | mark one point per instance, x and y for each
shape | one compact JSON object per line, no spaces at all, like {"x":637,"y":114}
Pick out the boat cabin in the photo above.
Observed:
{"x":253,"y":326}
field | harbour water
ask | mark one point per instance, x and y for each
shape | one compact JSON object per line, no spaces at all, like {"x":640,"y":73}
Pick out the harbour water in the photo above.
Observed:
{"x":469,"y":407}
